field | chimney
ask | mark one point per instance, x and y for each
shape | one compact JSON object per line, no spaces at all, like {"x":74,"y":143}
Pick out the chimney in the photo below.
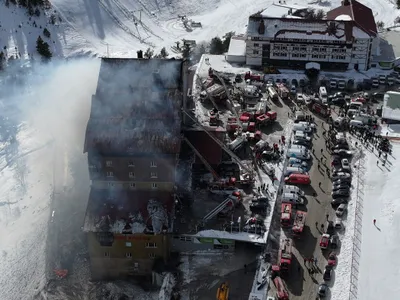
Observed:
{"x":139,"y":54}
{"x":345,"y":2}
{"x":261,"y":27}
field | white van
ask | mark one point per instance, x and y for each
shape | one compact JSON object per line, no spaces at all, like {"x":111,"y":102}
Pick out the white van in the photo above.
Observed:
{"x":375,"y":82}
{"x":298,"y":153}
{"x":356,"y":123}
{"x":333,"y":83}
{"x":341,"y":84}
{"x":291,"y":198}
{"x":323,"y":95}
{"x":293,"y":189}
{"x":301,"y":135}
{"x":302,"y":127}
{"x":294,"y":170}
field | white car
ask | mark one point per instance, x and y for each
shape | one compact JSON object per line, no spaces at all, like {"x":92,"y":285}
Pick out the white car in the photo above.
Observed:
{"x":338,"y":224}
{"x":346,"y":165}
{"x":341,"y":209}
{"x":299,"y":98}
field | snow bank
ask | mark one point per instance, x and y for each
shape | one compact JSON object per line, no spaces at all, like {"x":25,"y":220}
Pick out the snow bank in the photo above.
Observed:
{"x":167,"y":287}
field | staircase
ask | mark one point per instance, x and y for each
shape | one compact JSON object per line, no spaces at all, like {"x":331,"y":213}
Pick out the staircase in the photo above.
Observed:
{"x":216,"y":210}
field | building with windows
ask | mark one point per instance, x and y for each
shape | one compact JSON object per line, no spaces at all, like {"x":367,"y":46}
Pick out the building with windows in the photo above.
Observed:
{"x":133,"y":140}
{"x":346,"y":39}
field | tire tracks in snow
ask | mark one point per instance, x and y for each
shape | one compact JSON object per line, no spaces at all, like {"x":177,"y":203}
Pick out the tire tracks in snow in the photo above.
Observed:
{"x":130,"y":15}
{"x":122,"y":25}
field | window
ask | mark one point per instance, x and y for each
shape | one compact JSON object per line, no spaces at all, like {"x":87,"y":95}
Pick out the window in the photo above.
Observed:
{"x":110,"y":174}
{"x":109,"y":163}
{"x":154,"y":185}
{"x":153,"y":174}
{"x":256,"y":45}
{"x":255,"y":51}
{"x":128,"y":244}
{"x":153,"y":164}
{"x":111,"y":184}
{"x":152,"y":255}
{"x":151,"y":245}
{"x":131,"y":175}
{"x":131,"y":164}
{"x":132,"y":185}
{"x":106,"y":254}
{"x":128,"y":255}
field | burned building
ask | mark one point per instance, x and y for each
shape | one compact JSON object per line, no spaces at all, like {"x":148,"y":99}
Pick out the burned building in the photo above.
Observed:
{"x":133,"y":140}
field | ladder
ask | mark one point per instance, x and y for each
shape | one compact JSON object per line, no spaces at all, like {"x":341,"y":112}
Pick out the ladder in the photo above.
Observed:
{"x":216,"y":210}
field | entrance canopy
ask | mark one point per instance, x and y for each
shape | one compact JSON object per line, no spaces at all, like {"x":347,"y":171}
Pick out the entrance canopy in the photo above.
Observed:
{"x":313,"y":65}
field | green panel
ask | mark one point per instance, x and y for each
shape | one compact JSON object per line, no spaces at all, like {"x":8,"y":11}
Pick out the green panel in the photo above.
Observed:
{"x":226,"y":242}
{"x":206,"y":240}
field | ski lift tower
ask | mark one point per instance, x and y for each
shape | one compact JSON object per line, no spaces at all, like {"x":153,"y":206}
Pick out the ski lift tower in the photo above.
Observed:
{"x":140,"y":16}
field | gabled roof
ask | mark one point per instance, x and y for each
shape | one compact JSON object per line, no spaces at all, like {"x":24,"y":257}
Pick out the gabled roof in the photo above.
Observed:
{"x":359,"y":13}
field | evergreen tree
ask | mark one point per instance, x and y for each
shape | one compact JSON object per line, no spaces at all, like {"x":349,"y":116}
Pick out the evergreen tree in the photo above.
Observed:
{"x":2,"y":60}
{"x":43,"y":48}
{"x":186,"y":51}
{"x":398,"y":4}
{"x":216,"y":46}
{"x":46,"y":33}
{"x":227,"y":40}
{"x":149,"y":53}
{"x":163,"y":53}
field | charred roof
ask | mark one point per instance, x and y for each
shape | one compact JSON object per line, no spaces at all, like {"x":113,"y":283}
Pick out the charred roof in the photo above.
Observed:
{"x":136,"y":107}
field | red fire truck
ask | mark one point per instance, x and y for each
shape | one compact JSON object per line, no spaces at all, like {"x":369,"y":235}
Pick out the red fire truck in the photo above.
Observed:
{"x":283,"y":91}
{"x":298,"y":224}
{"x":281,"y":292}
{"x":285,"y":255}
{"x":286,"y":214}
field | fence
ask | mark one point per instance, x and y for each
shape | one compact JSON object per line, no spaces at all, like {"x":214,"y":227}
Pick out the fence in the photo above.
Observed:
{"x":357,"y":235}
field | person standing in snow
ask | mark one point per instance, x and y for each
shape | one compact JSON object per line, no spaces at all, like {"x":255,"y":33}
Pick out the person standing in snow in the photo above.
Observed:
{"x":374,"y":221}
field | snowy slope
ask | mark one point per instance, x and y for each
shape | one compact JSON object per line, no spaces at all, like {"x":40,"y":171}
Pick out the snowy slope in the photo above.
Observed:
{"x":40,"y":107}
{"x":121,"y":27}
{"x":379,"y":266}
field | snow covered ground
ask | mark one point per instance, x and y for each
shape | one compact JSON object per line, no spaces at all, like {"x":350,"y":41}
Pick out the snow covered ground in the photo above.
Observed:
{"x":40,"y":107}
{"x":121,"y":27}
{"x":378,"y":266}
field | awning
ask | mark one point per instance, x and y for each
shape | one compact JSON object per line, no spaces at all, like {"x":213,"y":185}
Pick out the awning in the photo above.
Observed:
{"x":313,"y":65}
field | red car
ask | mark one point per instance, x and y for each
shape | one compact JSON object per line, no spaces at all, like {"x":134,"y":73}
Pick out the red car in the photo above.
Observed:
{"x":324,"y":242}
{"x":332,"y":259}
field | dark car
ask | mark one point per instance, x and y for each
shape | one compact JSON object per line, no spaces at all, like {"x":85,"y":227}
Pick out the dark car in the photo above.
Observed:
{"x":334,"y":241}
{"x":336,"y":161}
{"x":343,"y":153}
{"x":339,"y":102}
{"x":258,"y":205}
{"x":330,"y":227}
{"x":327,"y":273}
{"x":302,"y":143}
{"x":340,"y":193}
{"x":340,"y":146}
{"x":342,"y":180}
{"x":338,"y":201}
{"x":323,"y":290}
{"x":342,"y":187}
{"x":378,"y":96}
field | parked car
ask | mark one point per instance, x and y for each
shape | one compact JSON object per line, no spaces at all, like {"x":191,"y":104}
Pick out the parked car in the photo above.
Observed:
{"x":338,"y":224}
{"x":343,"y":153}
{"x":332,"y":259}
{"x":323,"y":290}
{"x":342,"y":187}
{"x":340,"y":193}
{"x":341,"y":209}
{"x":324,"y":242}
{"x":342,"y":181}
{"x":258,"y":206}
{"x":330,"y":228}
{"x":327,"y":273}
{"x":340,"y":175}
{"x":334,"y":241}
{"x":340,"y":146}
{"x":302,"y":142}
{"x":335,"y":161}
{"x":346,"y":164}
{"x":338,"y":201}
{"x":378,"y":96}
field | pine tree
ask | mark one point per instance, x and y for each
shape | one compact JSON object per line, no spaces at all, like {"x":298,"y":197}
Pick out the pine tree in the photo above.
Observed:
{"x":149,"y":53}
{"x":46,"y":33}
{"x":163,"y":53}
{"x":216,"y":46}
{"x":2,"y":60}
{"x":227,"y":40}
{"x":398,"y":4}
{"x":43,"y":48}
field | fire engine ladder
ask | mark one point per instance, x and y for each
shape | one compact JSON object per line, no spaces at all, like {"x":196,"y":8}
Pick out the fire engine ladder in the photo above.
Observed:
{"x":222,"y":145}
{"x":216,"y":210}
{"x":203,"y":160}
{"x":229,"y":97}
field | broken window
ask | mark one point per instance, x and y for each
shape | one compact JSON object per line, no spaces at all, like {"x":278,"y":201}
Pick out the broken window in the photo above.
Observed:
{"x":109,"y":163}
{"x":151,"y":245}
{"x":154,"y":185}
{"x":153,"y":175}
{"x":153,"y":164}
{"x":131,"y":175}
{"x":110,"y":174}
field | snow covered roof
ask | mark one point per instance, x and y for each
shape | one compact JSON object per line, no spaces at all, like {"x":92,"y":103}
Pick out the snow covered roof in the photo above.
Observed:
{"x":237,"y":47}
{"x":275,"y":11}
{"x":128,"y":211}
{"x":136,"y":107}
{"x":391,"y":106}
{"x":343,"y":18}
{"x":291,"y":28}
